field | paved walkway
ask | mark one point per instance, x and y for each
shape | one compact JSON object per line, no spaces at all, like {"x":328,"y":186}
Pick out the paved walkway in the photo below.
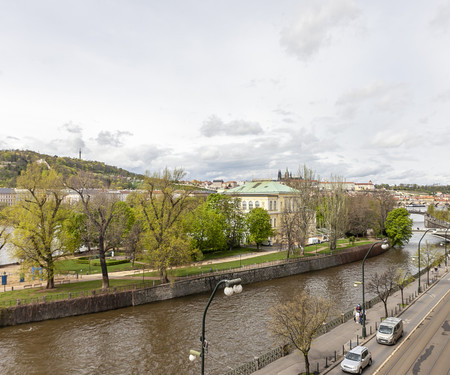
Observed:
{"x":341,"y":336}
{"x":13,"y":277}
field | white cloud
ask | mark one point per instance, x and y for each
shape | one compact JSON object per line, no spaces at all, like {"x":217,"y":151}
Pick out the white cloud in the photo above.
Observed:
{"x":214,"y":127}
{"x":134,"y":84}
{"x":107,"y":138}
{"x":441,"y":20}
{"x":316,"y":26}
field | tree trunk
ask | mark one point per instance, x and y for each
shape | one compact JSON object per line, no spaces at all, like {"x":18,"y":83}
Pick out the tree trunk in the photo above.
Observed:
{"x":163,"y":276}
{"x":102,"y":257}
{"x":50,"y":275}
{"x":305,"y":355}
{"x":385,"y":309}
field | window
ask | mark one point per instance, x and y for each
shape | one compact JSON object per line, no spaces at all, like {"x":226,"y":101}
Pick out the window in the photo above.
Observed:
{"x":270,"y":205}
{"x":244,"y":205}
{"x":256,"y":204}
{"x":274,"y":205}
{"x":250,"y":205}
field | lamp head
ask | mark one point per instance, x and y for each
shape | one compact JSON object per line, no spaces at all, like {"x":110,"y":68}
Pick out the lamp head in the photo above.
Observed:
{"x":193,"y":354}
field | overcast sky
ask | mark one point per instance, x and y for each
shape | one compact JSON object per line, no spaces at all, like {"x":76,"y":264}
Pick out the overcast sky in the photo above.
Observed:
{"x":232,"y":89}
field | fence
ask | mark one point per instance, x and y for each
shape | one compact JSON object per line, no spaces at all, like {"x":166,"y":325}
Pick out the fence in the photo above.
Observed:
{"x":277,"y":353}
{"x":78,"y":294}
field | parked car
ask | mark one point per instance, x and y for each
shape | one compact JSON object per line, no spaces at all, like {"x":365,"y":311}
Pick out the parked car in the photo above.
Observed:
{"x":389,"y":331}
{"x":356,"y":360}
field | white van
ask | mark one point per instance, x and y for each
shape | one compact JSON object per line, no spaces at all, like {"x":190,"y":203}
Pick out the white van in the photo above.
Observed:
{"x":313,"y":241}
{"x":389,"y":331}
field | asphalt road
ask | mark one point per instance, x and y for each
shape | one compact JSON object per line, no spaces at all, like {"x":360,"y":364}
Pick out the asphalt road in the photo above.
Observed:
{"x":426,"y":350}
{"x":424,"y":347}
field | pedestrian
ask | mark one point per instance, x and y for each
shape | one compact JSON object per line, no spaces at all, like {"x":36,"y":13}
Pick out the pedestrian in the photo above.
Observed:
{"x":361,"y":317}
{"x":356,"y":316}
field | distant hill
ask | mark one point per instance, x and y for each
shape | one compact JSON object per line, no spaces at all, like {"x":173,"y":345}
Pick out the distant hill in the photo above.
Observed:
{"x":13,"y":162}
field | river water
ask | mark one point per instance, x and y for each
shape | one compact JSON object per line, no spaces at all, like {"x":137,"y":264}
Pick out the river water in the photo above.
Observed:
{"x":156,"y":338}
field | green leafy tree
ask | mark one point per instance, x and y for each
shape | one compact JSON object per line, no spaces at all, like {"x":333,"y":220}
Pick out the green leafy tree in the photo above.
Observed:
{"x":298,"y":321}
{"x":258,"y":222}
{"x":398,"y":227}
{"x":4,"y":233}
{"x":133,"y":241}
{"x":164,"y":203}
{"x":207,"y":229}
{"x":38,"y":220}
{"x":233,"y":217}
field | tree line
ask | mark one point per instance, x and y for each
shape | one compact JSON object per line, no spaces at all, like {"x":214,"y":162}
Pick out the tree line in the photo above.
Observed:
{"x":163,"y":223}
{"x":167,"y":225}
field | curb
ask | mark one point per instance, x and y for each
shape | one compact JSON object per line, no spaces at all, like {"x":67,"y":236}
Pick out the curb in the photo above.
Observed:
{"x":369,"y":338}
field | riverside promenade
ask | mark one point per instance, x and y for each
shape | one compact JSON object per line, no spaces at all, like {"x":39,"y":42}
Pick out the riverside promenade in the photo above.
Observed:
{"x":347,"y":335}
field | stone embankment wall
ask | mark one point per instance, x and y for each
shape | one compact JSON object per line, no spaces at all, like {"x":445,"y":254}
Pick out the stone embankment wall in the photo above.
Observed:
{"x":97,"y":303}
{"x":431,"y":222}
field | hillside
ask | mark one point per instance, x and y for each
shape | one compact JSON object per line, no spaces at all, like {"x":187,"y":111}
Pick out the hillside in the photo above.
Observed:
{"x":13,"y":162}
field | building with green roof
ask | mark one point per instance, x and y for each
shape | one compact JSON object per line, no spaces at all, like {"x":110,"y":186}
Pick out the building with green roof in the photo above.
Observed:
{"x":270,"y":195}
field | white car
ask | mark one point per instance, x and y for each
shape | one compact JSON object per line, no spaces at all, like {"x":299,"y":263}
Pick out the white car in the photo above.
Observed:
{"x":356,"y":360}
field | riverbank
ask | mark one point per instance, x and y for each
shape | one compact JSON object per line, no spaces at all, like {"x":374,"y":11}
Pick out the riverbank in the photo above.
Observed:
{"x":114,"y":299}
{"x":326,"y":350}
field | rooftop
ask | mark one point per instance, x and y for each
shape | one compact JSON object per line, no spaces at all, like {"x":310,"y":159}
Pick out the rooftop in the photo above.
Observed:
{"x":261,"y":187}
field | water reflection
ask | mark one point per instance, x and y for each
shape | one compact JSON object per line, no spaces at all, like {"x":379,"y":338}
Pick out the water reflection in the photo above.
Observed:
{"x":156,"y":338}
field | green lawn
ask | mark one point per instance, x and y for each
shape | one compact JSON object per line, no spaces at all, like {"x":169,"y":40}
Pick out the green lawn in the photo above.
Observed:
{"x":264,"y":258}
{"x":61,"y":291}
{"x":235,"y":262}
{"x":67,"y":266}
{"x":230,"y":253}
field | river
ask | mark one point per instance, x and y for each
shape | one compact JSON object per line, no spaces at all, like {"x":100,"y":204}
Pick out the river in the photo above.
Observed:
{"x":156,"y":338}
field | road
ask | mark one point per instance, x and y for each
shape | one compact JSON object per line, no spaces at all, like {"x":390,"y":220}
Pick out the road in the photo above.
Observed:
{"x":424,"y":348}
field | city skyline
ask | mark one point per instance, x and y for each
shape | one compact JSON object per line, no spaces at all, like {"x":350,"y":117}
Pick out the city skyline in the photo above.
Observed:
{"x":234,"y":90}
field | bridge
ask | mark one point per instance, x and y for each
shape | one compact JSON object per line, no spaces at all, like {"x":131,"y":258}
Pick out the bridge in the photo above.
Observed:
{"x":417,"y":212}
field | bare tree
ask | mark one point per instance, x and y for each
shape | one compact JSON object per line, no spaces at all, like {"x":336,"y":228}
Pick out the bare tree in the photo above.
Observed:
{"x":106,"y":223}
{"x":402,"y":279}
{"x":298,"y":321}
{"x":299,"y":212}
{"x":384,"y":203}
{"x":429,"y":256}
{"x":333,"y":210}
{"x":382,"y":284}
{"x":288,"y":228}
{"x":360,"y":214}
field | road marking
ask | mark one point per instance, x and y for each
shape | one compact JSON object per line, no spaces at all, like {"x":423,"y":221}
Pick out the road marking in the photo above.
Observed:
{"x":407,"y":337}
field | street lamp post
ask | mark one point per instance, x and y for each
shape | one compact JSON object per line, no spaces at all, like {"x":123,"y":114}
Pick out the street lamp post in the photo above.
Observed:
{"x":384,"y":246}
{"x":445,"y":238}
{"x":418,"y":255}
{"x":231,"y":286}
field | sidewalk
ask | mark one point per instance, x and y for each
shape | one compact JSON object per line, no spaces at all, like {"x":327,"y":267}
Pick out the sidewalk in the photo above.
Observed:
{"x":13,"y":274}
{"x":341,"y":336}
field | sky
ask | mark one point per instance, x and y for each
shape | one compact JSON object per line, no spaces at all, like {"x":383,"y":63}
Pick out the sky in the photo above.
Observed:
{"x":232,"y":90}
